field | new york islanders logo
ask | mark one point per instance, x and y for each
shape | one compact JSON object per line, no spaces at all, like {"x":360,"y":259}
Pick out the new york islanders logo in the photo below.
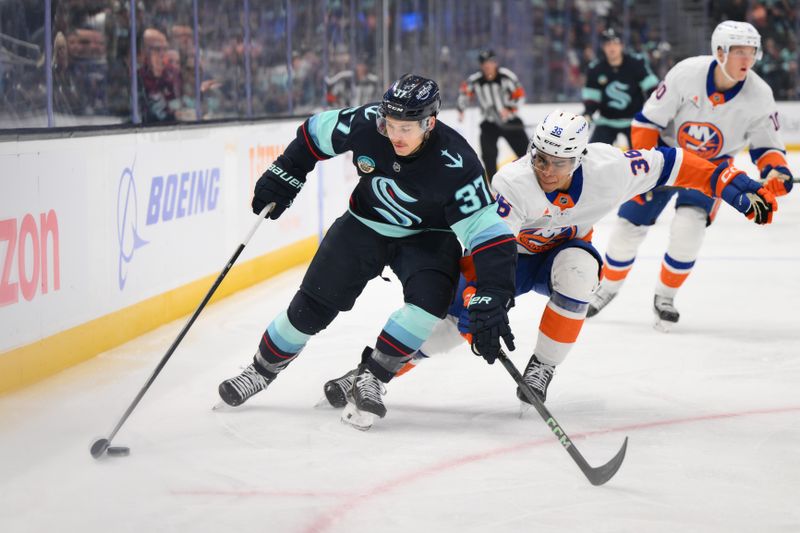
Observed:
{"x":702,"y":138}
{"x":538,"y":240}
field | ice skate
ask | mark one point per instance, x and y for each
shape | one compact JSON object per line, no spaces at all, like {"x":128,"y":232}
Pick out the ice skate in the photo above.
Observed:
{"x":364,"y":400}
{"x":237,"y":390}
{"x":601,"y":298}
{"x":336,"y":391}
{"x":537,"y":376}
{"x":666,"y":314}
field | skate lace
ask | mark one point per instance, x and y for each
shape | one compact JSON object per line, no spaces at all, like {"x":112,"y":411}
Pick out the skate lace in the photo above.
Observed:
{"x":370,"y":387}
{"x":538,"y":376}
{"x":346,"y":381}
{"x":249,"y":382}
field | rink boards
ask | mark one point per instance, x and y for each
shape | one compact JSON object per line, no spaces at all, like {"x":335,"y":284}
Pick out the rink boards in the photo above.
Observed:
{"x":103,"y":238}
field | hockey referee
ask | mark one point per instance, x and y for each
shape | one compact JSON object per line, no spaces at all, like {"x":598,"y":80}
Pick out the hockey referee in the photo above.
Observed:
{"x":499,"y":94}
{"x":616,"y":88}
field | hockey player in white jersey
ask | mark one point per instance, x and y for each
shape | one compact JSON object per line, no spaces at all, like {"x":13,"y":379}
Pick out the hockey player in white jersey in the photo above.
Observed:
{"x":552,"y":197}
{"x":713,"y":107}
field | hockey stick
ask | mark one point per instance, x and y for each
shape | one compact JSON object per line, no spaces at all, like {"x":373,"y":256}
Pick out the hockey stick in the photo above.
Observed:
{"x":595,"y":475}
{"x":100,"y":446}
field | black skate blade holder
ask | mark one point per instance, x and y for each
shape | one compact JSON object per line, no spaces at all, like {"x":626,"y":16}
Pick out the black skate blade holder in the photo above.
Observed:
{"x":596,"y":475}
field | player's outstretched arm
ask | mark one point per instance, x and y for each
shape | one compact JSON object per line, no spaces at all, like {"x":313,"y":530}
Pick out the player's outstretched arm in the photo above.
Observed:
{"x":724,"y":181}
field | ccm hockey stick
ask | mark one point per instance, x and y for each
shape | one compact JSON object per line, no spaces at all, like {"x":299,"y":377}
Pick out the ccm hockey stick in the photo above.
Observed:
{"x":595,"y":475}
{"x":103,"y":445}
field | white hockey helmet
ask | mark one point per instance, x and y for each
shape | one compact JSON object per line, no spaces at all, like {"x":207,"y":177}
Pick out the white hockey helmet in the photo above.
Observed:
{"x":732,"y":33}
{"x":561,"y":134}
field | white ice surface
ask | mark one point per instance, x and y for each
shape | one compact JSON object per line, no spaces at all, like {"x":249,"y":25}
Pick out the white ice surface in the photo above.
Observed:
{"x":712,"y":410}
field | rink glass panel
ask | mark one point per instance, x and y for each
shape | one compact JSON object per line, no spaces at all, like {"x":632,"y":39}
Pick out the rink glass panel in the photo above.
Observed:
{"x":23,"y":91}
{"x":202,"y":60}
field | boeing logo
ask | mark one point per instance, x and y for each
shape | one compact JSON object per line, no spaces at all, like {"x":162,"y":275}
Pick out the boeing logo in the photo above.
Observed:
{"x":173,"y":196}
{"x":127,"y":224}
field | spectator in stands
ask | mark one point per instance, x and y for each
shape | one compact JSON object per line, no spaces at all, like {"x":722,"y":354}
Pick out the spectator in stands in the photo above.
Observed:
{"x":159,"y":81}
{"x":181,"y":55}
{"x":66,"y":96}
{"x":88,"y":67}
{"x":351,"y":88}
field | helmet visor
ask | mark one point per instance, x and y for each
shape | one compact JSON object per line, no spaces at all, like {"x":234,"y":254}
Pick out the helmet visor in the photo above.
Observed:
{"x":551,"y":164}
{"x":380,"y":123}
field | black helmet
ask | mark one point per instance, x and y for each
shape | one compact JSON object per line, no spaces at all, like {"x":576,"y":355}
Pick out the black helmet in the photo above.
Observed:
{"x":609,"y":35}
{"x":411,"y":98}
{"x":486,"y":55}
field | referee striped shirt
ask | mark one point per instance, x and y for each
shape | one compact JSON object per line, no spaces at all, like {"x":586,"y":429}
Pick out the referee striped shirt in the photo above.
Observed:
{"x":503,"y":92}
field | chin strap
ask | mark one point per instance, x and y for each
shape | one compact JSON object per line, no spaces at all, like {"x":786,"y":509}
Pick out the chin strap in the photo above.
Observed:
{"x":725,"y":72}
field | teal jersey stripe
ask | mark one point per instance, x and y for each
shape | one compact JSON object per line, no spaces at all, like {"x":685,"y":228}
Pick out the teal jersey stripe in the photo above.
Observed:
{"x":481,"y":226}
{"x":320,"y":127}
{"x":591,"y":94}
{"x":613,"y":122}
{"x":649,"y":82}
{"x":387,"y":230}
{"x":286,"y":337}
{"x":411,"y":325}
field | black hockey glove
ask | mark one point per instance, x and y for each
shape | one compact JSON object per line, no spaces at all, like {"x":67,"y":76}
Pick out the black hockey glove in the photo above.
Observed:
{"x":488,"y":322}
{"x":276,"y":185}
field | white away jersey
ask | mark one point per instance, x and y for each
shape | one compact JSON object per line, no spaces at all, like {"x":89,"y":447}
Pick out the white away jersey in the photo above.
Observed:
{"x":689,"y":112}
{"x":606,"y":178}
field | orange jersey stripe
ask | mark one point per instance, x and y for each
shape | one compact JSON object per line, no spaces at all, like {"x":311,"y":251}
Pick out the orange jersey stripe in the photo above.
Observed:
{"x":643,"y":138}
{"x":671,"y":279}
{"x":695,"y":173}
{"x":558,"y":327}
{"x":519,"y":92}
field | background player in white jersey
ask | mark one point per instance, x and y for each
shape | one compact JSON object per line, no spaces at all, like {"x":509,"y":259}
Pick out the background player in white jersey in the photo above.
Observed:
{"x":552,"y":197}
{"x":713,"y":107}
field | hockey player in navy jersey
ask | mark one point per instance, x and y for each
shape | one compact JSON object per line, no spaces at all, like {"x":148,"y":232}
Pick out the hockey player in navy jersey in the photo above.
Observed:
{"x":552,"y":197}
{"x":714,"y":106}
{"x":616,"y":87}
{"x":421,"y":190}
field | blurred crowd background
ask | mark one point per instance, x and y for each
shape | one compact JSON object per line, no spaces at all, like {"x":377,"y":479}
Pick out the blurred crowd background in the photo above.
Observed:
{"x":69,"y":63}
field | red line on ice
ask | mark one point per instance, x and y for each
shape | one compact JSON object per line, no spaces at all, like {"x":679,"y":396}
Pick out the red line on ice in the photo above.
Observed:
{"x":327,"y":520}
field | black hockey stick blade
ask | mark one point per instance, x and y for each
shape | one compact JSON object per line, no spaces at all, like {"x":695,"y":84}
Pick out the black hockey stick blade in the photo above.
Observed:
{"x":596,"y":475}
{"x":99,"y":447}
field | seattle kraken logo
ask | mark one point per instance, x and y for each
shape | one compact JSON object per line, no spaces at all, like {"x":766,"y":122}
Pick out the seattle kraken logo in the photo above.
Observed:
{"x":617,"y":93}
{"x":387,"y":191}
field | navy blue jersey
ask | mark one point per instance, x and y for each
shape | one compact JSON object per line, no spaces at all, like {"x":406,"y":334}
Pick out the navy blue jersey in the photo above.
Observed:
{"x":618,"y":92}
{"x":441,"y":187}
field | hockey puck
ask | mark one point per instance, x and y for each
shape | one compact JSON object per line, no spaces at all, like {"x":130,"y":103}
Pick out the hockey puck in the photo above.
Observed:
{"x":118,"y":451}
